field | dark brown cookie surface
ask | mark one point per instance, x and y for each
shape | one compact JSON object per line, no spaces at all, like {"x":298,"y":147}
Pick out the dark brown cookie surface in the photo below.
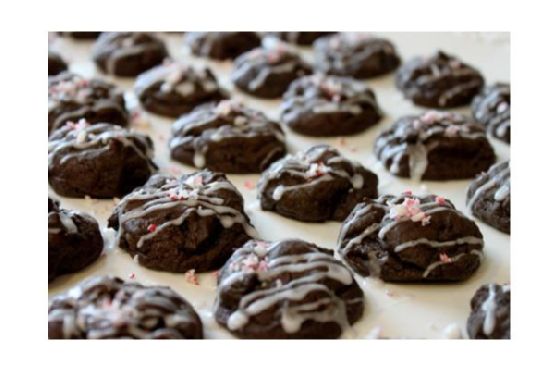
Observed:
{"x":99,"y":160}
{"x":299,"y":38}
{"x":435,"y":146}
{"x":320,"y":105}
{"x":289,"y":289}
{"x":56,"y":64}
{"x":490,"y":316}
{"x":74,"y":240}
{"x":439,"y":81}
{"x":105,"y":307}
{"x":128,"y":54}
{"x":72,"y":97}
{"x":227,"y":137}
{"x":488,"y":197}
{"x":410,"y":239}
{"x":221,"y":45}
{"x":172,"y":89}
{"x":492,"y":108}
{"x":267,"y":72}
{"x":355,"y":54}
{"x":178,"y":224}
{"x":80,"y":35}
{"x":317,"y":185}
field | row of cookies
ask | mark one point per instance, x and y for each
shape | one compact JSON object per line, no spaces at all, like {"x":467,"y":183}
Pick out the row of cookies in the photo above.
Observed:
{"x":267,"y":71}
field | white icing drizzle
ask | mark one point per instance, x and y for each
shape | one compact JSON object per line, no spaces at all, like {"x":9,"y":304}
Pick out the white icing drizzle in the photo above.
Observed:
{"x":413,"y":137}
{"x":309,"y":269}
{"x":489,"y":306}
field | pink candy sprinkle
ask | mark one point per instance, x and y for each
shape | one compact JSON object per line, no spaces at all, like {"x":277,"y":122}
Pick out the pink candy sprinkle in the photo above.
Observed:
{"x":191,"y":277}
{"x":440,"y":200}
{"x":409,"y":210}
{"x":132,"y":275}
{"x":453,"y":130}
{"x":151,"y":228}
{"x":407,"y":193}
{"x":248,"y":184}
{"x":444,"y":258}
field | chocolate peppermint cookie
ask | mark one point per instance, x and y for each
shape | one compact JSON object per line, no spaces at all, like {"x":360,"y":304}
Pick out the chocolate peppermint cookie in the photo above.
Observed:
{"x":178,"y":224}
{"x":289,"y":289}
{"x":492,"y":108}
{"x":355,"y":54}
{"x":317,"y":185}
{"x":72,"y":97}
{"x":106,"y":307}
{"x":221,"y":45}
{"x":320,"y":105}
{"x":56,"y":64}
{"x":490,"y":316}
{"x":435,"y":146}
{"x":172,"y":89}
{"x":128,"y":54}
{"x":266,"y":72}
{"x":411,"y":239}
{"x":227,"y":137}
{"x":100,"y":160}
{"x":298,"y":38}
{"x":439,"y":81}
{"x":488,"y":197}
{"x":74,"y":240}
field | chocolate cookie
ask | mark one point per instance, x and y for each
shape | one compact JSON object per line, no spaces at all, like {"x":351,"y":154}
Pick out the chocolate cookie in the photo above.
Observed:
{"x":321,"y":105}
{"x":221,"y":45}
{"x":100,"y":160}
{"x":227,"y":137}
{"x":439,"y":81}
{"x":490,"y":313}
{"x":56,"y":64}
{"x":106,"y":307}
{"x":435,"y":146}
{"x":492,"y":108}
{"x":173,"y":89}
{"x":317,"y":185}
{"x":411,"y":239}
{"x":488,"y":197}
{"x":267,"y":72}
{"x":128,"y":53}
{"x":79,"y":35}
{"x":74,"y":240}
{"x":355,"y":54}
{"x":298,"y":38}
{"x":289,"y":289}
{"x":72,"y":97}
{"x":178,"y":224}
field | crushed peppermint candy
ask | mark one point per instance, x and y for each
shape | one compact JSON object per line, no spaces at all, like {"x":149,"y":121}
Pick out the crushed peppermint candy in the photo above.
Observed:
{"x":152,"y":228}
{"x":407,"y":193}
{"x":440,"y":200}
{"x":251,"y":263}
{"x":443,"y":257}
{"x":409,"y":210}
{"x":249,"y":184}
{"x":191,"y":277}
{"x":132,"y":275}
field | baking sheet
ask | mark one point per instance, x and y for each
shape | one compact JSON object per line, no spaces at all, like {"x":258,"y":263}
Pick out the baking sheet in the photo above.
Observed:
{"x":392,"y":311}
